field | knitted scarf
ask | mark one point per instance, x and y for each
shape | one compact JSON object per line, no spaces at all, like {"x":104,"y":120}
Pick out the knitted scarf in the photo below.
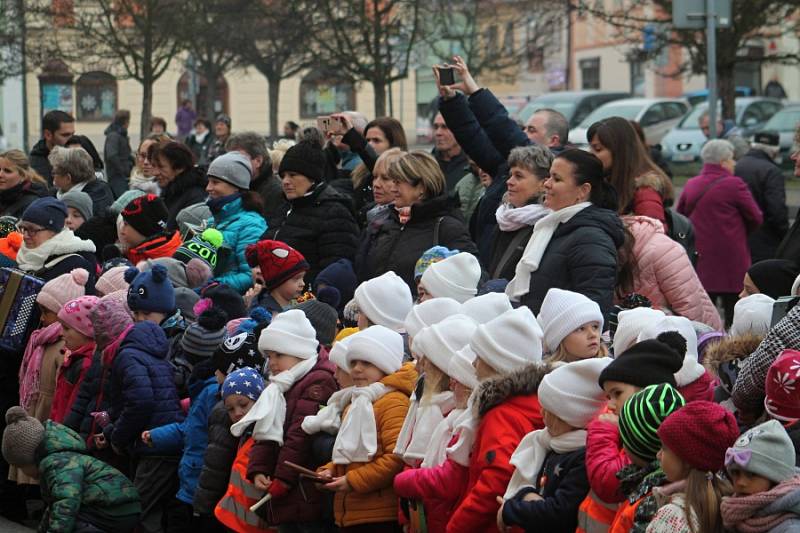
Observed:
{"x":357,"y":441}
{"x":510,"y":218}
{"x":761,"y":512}
{"x":419,"y":424}
{"x":440,"y":438}
{"x":534,"y":251}
{"x":404,"y":214}
{"x":31,"y":367}
{"x":65,"y":242}
{"x":329,"y":418}
{"x":269,"y":412}
{"x":533,"y":449}
{"x":466,"y":425}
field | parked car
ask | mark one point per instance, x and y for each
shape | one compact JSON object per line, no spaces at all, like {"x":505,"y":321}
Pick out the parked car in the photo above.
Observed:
{"x":656,"y":116}
{"x":698,"y":97}
{"x":785,"y":123}
{"x":575,"y":105}
{"x":684,"y":142}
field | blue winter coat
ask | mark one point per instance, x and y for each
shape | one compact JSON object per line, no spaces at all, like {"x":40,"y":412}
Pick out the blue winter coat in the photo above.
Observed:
{"x":191,"y":436}
{"x":239,"y":227}
{"x":143,"y":393}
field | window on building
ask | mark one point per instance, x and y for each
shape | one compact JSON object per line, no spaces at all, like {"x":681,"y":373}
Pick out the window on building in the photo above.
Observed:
{"x":590,"y":73}
{"x":195,"y":88}
{"x":55,"y":87}
{"x":96,"y":94}
{"x":322,"y":93}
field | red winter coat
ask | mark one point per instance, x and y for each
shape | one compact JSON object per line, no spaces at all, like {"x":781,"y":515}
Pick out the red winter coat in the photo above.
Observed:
{"x":701,"y":389}
{"x":509,"y":409}
{"x":722,"y":217}
{"x":604,"y":458}
{"x":266,"y":457}
{"x":70,"y":377}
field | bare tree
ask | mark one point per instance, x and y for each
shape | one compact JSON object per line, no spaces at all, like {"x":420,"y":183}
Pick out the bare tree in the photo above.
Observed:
{"x":751,"y":19}
{"x":12,"y":38}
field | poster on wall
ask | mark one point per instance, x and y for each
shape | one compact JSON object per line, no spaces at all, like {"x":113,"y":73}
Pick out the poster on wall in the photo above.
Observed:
{"x":56,"y":96}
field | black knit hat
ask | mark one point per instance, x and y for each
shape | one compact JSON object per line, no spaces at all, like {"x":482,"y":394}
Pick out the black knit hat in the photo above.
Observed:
{"x":238,"y":351}
{"x":323,"y":317}
{"x":647,"y":363}
{"x":146,"y":214}
{"x":304,"y":158}
{"x":774,"y":277}
{"x":227,"y":299}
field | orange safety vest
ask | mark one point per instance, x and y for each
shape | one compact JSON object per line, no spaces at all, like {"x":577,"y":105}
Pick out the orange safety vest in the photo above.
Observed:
{"x":233,"y":510}
{"x":595,"y":515}
{"x":624,"y":519}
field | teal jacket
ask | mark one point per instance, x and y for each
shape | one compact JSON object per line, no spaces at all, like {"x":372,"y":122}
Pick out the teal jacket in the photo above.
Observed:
{"x":72,"y":480}
{"x":239,"y":228}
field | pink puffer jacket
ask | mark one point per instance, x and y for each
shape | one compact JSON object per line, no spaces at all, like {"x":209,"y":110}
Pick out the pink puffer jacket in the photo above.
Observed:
{"x":666,"y":275}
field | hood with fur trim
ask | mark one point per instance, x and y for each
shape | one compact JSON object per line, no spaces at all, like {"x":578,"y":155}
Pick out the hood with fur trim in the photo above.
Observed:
{"x":659,"y":183}
{"x":522,"y":382}
{"x":728,"y":349}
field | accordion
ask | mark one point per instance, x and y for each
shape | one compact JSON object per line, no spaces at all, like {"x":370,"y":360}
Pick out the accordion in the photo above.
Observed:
{"x":19,"y":314}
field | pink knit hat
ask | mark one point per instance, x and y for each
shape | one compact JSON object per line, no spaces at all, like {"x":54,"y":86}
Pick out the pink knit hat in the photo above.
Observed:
{"x":62,"y":289}
{"x":111,"y":317}
{"x":112,"y":280}
{"x":76,"y":314}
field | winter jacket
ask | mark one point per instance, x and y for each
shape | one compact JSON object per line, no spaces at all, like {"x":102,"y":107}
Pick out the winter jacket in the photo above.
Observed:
{"x":162,"y":245}
{"x":189,"y":436}
{"x":672,"y":517}
{"x":239,"y":228}
{"x":117,"y":153}
{"x":143,"y":394}
{"x":320,"y":225}
{"x":604,"y":458}
{"x":503,"y":262}
{"x":188,"y":188}
{"x":219,"y":455}
{"x":69,"y":380}
{"x":665,"y":275}
{"x":38,"y":158}
{"x":581,"y":257}
{"x":200,"y":149}
{"x":748,"y":391}
{"x":303,"y":399}
{"x":101,"y":195}
{"x":648,"y":198}
{"x":563,"y":485}
{"x":453,"y":168}
{"x":14,"y":201}
{"x":372,"y":498}
{"x":640,"y":505}
{"x":768,"y":187}
{"x":723,"y":212}
{"x":469,"y":190}
{"x":701,"y":389}
{"x":268,"y":186}
{"x":52,"y":358}
{"x":73,"y":482}
{"x":397,"y":247}
{"x":508,"y":407}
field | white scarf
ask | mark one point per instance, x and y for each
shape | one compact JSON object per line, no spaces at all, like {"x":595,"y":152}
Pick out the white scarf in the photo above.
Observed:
{"x":78,"y":187}
{"x":269,"y":412}
{"x":529,"y":456}
{"x":329,"y":418}
{"x":441,"y":437}
{"x":510,"y":218}
{"x":534,"y":250}
{"x":200,"y":137}
{"x":357,"y":441}
{"x":466,"y":425}
{"x":419,"y":425}
{"x":62,"y":243}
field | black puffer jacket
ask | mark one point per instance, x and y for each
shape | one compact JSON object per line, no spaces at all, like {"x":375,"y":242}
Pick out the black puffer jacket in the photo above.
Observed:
{"x":70,"y":262}
{"x":503,"y":262}
{"x":581,"y":257}
{"x":220,"y":454}
{"x":268,"y":186}
{"x":101,"y":195}
{"x":14,"y":201}
{"x":397,"y":247}
{"x":321,"y":226}
{"x":40,"y":162}
{"x":188,"y":188}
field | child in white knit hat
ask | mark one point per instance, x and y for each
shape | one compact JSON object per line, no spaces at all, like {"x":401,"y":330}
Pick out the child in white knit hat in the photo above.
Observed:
{"x":550,"y":462}
{"x":338,"y":356}
{"x":383,"y":301}
{"x":486,"y":307}
{"x":572,"y":325}
{"x":630,"y":323}
{"x":504,"y":408}
{"x":363,"y":466}
{"x":428,"y":313}
{"x":456,"y":277}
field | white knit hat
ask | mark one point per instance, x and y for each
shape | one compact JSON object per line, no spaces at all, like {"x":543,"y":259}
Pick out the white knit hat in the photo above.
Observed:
{"x":456,"y":277}
{"x":378,"y":345}
{"x":691,"y":369}
{"x":630,"y":323}
{"x":563,"y":312}
{"x":438,"y":343}
{"x":429,"y":313}
{"x":385,"y":300}
{"x":461,"y":368}
{"x":510,"y":341}
{"x":289,"y":333}
{"x":752,"y":314}
{"x":486,"y":307}
{"x":338,"y":353}
{"x":572,"y":393}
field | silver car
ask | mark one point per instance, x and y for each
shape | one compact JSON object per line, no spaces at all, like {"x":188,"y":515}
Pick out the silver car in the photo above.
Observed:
{"x":785,"y":122}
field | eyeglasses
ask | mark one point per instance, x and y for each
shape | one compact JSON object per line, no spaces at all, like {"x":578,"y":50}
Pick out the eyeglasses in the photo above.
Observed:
{"x":29,"y":230}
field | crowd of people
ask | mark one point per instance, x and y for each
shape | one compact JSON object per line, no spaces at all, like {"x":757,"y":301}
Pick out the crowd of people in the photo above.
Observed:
{"x":337,"y":333}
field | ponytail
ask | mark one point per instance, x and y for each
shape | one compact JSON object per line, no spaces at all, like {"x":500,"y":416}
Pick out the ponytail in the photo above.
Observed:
{"x":704,"y":492}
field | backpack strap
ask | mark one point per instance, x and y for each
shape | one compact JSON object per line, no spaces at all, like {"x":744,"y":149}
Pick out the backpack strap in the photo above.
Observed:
{"x":436,"y":231}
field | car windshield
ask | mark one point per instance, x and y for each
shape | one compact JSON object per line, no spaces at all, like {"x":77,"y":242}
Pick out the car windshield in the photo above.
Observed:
{"x":565,"y":107}
{"x":624,"y":111}
{"x":690,"y":121}
{"x":784,"y":120}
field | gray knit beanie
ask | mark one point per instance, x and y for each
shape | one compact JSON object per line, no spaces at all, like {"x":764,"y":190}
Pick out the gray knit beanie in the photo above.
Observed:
{"x":79,"y":201}
{"x":203,"y":337}
{"x":22,"y":436}
{"x":765,"y":450}
{"x":323,"y":317}
{"x":233,"y":168}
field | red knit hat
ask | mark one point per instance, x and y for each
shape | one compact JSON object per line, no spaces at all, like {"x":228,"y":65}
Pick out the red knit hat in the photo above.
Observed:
{"x":782,"y":400}
{"x":699,"y":433}
{"x":278,"y":261}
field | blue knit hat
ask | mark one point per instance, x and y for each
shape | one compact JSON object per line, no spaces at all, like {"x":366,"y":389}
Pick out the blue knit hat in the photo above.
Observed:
{"x":431,"y":256}
{"x":245,"y":382}
{"x":150,"y":291}
{"x":340,"y":276}
{"x":47,"y":212}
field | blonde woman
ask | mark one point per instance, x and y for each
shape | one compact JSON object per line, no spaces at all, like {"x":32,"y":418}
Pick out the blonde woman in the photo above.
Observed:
{"x":20,"y":185}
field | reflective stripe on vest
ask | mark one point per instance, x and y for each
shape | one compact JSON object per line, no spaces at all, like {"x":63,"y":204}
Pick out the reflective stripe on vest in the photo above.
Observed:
{"x":233,"y":510}
{"x":595,"y":515}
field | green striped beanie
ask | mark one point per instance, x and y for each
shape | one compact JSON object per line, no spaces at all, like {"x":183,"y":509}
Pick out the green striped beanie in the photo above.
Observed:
{"x":641,"y":416}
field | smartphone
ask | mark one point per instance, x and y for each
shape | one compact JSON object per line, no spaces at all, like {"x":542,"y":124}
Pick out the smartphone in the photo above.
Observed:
{"x":324,"y":124}
{"x":447,"y":75}
{"x":337,"y":126}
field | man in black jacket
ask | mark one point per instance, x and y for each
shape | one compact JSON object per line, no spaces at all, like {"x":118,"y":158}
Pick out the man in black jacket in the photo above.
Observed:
{"x":264,"y":182}
{"x":117,"y":152}
{"x":57,"y":128}
{"x":448,"y":153}
{"x":758,"y":169}
{"x":790,"y":245}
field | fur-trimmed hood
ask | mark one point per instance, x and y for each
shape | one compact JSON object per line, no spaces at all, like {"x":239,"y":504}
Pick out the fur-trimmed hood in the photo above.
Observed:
{"x":728,"y":349}
{"x":522,"y":382}
{"x":660,"y":183}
